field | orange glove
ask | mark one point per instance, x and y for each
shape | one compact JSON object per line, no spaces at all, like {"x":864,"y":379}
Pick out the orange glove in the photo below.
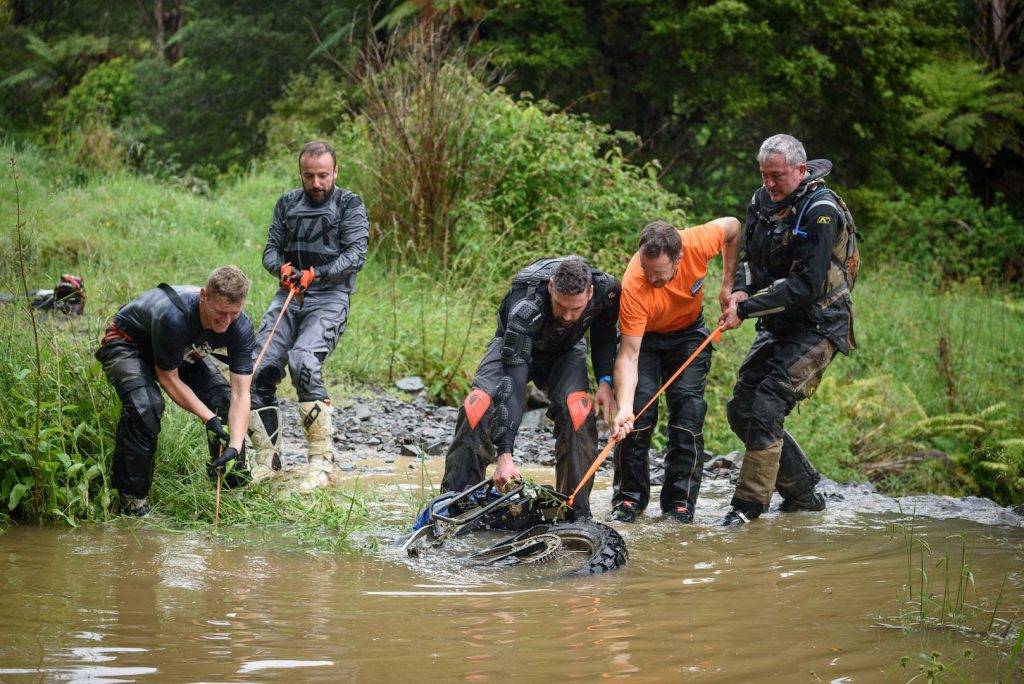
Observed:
{"x":305,"y":279}
{"x":289,"y":276}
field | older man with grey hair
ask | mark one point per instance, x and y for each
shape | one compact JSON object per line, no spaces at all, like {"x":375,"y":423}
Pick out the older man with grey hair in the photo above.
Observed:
{"x":794,"y":277}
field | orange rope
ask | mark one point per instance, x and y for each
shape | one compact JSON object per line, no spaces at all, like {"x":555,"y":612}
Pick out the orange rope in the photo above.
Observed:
{"x":715,"y":335}
{"x":287,"y":301}
{"x":216,"y":508}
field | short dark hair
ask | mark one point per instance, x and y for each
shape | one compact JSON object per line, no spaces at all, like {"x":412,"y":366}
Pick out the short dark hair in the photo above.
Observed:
{"x":229,"y":283}
{"x":573,"y":276}
{"x":317,"y":148}
{"x":659,"y":237}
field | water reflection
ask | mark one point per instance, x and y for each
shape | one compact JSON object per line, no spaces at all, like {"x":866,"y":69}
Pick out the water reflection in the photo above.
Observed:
{"x":796,"y":598}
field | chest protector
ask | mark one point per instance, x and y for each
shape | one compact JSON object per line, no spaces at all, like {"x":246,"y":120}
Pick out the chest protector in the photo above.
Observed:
{"x":773,"y":247}
{"x":527,"y":318}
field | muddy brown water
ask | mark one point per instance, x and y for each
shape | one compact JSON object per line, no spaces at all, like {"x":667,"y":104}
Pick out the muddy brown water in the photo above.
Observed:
{"x":792,"y":598}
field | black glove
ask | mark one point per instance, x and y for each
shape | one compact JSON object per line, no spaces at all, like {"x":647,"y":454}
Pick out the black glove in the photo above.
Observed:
{"x":218,"y":463}
{"x":215,"y":431}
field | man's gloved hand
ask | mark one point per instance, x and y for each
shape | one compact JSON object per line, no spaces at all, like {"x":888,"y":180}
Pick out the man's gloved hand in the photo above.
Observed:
{"x":289,"y":276}
{"x":218,"y":463}
{"x":215,"y":431}
{"x":305,"y":279}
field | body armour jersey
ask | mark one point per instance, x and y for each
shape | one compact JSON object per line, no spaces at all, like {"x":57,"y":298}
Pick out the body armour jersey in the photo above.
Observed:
{"x":531,"y":336}
{"x":168,"y":336}
{"x":787,"y":265}
{"x":331,"y":237}
{"x":548,"y":337}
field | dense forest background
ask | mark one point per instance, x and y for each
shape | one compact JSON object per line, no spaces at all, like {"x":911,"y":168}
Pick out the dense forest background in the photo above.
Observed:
{"x":150,"y":138}
{"x":912,"y":100}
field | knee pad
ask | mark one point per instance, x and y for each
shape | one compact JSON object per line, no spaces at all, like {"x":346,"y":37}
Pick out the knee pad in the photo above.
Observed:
{"x":760,"y":436}
{"x":765,"y":426}
{"x":264,"y":386}
{"x":145,"y":405}
{"x":690,"y":414}
{"x":737,"y":417}
{"x":304,"y":368}
{"x":476,"y":404}
{"x":578,"y":407}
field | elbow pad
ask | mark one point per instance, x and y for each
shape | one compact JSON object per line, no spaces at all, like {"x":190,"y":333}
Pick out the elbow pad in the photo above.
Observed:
{"x":768,"y":291}
{"x":503,"y":428}
{"x":524,"y":321}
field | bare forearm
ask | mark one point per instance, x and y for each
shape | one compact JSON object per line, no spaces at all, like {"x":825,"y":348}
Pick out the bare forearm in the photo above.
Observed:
{"x":182,"y":395}
{"x":625,"y":380}
{"x":238,"y":414}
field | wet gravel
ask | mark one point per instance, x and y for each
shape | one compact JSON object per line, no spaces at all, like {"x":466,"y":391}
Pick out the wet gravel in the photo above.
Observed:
{"x":383,"y":427}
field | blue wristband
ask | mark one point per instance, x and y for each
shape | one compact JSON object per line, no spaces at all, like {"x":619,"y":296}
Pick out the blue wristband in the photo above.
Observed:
{"x":605,"y":378}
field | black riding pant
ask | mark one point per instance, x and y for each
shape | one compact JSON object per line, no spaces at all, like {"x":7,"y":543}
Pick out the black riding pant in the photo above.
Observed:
{"x":661,"y":355}
{"x":778,"y":372}
{"x":564,"y":379}
{"x":142,"y":407}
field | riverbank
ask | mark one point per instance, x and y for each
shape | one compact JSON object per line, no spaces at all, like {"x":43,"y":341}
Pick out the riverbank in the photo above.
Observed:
{"x":385,"y":432}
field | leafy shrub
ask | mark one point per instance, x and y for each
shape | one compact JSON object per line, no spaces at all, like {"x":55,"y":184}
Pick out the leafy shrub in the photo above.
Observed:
{"x":90,"y":124}
{"x":957,"y":234}
{"x":56,"y":425}
{"x":563,"y":185}
{"x":421,"y":114}
{"x":312,"y":106}
{"x":103,"y":95}
{"x":460,"y":167}
{"x":45,"y":72}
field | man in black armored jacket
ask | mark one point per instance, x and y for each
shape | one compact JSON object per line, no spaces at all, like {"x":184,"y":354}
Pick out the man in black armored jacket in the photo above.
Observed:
{"x":316,"y":245}
{"x":794,"y":277}
{"x":540,"y":337}
{"x":162,"y":340}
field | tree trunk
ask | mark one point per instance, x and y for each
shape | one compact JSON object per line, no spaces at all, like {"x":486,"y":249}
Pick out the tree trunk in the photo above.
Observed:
{"x":166,"y":19}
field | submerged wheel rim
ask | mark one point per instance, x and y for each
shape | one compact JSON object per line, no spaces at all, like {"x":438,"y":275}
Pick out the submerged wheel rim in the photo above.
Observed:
{"x":535,"y":549}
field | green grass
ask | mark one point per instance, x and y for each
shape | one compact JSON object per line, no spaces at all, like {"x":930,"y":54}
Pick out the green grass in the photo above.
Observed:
{"x":940,"y":593}
{"x":936,"y":371}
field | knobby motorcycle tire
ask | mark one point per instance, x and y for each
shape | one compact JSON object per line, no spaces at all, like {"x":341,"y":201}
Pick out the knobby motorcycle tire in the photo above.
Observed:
{"x":606,"y":546}
{"x":603,"y":547}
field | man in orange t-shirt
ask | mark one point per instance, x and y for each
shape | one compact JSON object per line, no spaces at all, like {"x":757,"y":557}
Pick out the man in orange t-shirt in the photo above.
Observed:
{"x":661,"y":324}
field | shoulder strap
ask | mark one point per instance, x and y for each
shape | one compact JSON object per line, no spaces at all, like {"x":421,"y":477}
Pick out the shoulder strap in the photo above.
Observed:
{"x":172,"y":294}
{"x":808,"y":204}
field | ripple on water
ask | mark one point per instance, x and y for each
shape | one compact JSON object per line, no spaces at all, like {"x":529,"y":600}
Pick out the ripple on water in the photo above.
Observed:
{"x":263,"y":665}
